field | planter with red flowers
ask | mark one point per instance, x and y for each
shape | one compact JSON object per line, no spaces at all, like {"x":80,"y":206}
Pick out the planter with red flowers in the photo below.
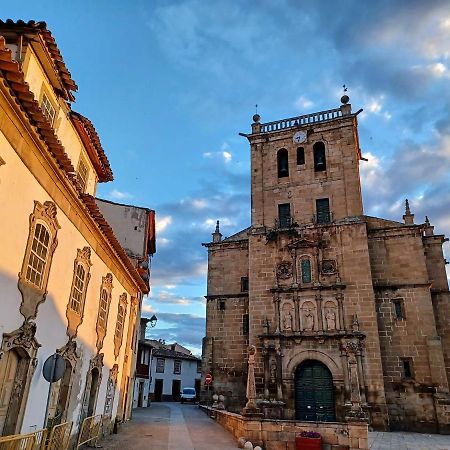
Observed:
{"x":308,"y":440}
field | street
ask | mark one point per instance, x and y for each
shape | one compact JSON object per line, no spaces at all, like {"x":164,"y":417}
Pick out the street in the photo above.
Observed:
{"x":170,"y":426}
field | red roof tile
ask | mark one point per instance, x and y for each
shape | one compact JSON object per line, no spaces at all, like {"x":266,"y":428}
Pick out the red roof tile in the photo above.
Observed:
{"x":92,"y":143}
{"x":40,"y":28}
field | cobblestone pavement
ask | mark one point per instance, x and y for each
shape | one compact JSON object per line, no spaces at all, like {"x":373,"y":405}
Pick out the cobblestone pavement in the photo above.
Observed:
{"x":408,"y":441}
{"x":170,"y":426}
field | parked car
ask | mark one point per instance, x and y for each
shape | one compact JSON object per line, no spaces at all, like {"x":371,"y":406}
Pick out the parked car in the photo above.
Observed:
{"x":188,"y":395}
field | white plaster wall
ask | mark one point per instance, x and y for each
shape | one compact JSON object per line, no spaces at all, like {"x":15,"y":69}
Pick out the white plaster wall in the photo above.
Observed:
{"x":136,"y":392}
{"x":18,"y":190}
{"x":188,"y":375}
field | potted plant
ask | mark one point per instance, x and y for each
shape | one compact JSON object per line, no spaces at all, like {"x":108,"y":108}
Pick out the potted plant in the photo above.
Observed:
{"x":308,"y":440}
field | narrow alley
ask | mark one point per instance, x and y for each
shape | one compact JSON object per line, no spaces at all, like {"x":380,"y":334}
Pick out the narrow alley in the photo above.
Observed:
{"x":170,"y":426}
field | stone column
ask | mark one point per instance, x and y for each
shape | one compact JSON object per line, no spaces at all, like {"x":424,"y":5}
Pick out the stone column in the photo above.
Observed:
{"x":279,"y":374}
{"x":340,"y":299}
{"x":266,"y":358}
{"x":319,"y":312}
{"x":250,"y":408}
{"x":276,"y":300}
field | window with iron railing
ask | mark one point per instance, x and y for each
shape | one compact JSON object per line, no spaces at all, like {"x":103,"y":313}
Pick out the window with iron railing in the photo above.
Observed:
{"x":284,"y":215}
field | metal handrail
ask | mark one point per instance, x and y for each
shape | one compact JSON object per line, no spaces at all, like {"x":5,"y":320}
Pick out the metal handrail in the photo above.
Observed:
{"x":30,"y":441}
{"x":321,"y":116}
{"x":90,"y":430}
{"x":59,"y":437}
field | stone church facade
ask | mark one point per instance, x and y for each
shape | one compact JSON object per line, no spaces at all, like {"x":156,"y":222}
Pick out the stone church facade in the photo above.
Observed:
{"x":349,"y":314}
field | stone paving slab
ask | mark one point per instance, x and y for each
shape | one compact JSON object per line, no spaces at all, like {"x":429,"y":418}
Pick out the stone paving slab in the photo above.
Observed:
{"x":408,"y":441}
{"x":170,"y":426}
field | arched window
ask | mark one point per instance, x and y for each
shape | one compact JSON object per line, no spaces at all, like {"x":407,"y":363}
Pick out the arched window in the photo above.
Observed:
{"x":37,"y":258}
{"x":78,"y":289}
{"x":305,"y":267}
{"x":320,"y":162}
{"x":81,"y":276}
{"x":120,"y":323}
{"x":283,"y":163}
{"x":300,"y":156}
{"x":103,"y":308}
{"x":41,"y":244}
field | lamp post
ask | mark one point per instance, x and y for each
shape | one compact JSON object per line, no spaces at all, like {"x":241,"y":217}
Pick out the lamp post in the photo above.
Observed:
{"x":152,"y":322}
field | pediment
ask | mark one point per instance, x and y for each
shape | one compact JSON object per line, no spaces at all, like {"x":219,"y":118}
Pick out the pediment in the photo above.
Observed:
{"x":303,"y":243}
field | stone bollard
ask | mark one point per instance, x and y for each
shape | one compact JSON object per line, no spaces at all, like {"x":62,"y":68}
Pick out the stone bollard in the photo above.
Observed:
{"x":248,"y":446}
{"x":257,"y":448}
{"x":215,"y":397}
{"x":221,"y":404}
{"x":241,"y":442}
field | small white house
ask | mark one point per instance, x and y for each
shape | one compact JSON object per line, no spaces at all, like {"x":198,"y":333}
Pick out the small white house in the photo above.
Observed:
{"x":163,"y":370}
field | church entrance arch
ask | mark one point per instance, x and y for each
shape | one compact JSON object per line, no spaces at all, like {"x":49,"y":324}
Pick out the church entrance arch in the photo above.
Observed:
{"x":314,"y":392}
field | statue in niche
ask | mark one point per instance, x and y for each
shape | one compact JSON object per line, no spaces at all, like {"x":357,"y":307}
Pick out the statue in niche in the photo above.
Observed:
{"x":287,"y":320}
{"x":273,"y":372}
{"x":309,"y":320}
{"x":330,"y":317}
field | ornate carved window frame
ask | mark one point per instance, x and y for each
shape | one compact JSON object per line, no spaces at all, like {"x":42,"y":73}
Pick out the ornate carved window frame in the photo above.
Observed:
{"x":300,"y":259}
{"x":75,"y":318}
{"x":22,"y":341}
{"x":32,"y":294}
{"x":105,"y":288}
{"x":120,"y":323}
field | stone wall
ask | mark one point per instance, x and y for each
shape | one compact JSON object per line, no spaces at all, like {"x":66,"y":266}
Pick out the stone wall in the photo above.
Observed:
{"x":280,"y":434}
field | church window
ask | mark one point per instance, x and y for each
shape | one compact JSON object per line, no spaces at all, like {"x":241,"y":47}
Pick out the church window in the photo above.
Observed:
{"x":407,"y":368}
{"x":399,"y":308}
{"x":320,"y":162}
{"x":284,"y":215}
{"x":221,"y":305}
{"x":245,"y":324}
{"x":306,"y":270}
{"x":300,"y":156}
{"x":283,"y":163}
{"x":244,"y":284}
{"x":323,"y":210}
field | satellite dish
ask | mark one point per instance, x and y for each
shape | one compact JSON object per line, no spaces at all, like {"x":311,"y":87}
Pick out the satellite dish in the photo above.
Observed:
{"x":54,"y":368}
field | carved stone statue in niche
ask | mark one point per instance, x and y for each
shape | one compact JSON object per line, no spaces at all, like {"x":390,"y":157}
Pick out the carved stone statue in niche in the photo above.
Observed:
{"x":273,"y":372}
{"x":330,"y":317}
{"x":309,"y":320}
{"x":287,"y":321}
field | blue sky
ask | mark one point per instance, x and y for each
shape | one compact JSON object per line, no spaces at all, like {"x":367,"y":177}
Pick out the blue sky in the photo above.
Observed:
{"x":169,"y":85}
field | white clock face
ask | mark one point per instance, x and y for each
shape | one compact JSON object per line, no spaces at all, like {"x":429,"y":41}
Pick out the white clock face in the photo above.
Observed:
{"x":299,"y":137}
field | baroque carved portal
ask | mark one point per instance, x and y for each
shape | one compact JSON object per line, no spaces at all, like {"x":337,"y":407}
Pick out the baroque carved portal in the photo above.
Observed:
{"x":17,"y":365}
{"x":41,"y":244}
{"x":93,"y":381}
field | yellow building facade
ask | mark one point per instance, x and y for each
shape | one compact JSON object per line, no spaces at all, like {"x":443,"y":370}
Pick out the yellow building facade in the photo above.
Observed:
{"x":66,"y":284}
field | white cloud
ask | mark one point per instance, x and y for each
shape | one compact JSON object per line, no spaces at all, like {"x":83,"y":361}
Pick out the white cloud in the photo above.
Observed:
{"x":303,"y":102}
{"x":115,"y":194}
{"x":163,"y":242}
{"x":199,"y":203}
{"x":162,"y":223}
{"x":370,"y":171}
{"x":227,"y":156}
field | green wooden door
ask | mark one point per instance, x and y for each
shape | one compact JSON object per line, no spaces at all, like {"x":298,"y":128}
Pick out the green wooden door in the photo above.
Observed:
{"x":314,"y":395}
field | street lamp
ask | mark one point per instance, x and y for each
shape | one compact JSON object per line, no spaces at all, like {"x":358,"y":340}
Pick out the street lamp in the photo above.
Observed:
{"x":153,"y":321}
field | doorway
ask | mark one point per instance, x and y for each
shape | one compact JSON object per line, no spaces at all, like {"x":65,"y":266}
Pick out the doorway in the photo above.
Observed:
{"x":158,"y":389}
{"x":314,"y":393}
{"x":176,"y":390}
{"x":93,"y":392}
{"x":141,"y":394}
